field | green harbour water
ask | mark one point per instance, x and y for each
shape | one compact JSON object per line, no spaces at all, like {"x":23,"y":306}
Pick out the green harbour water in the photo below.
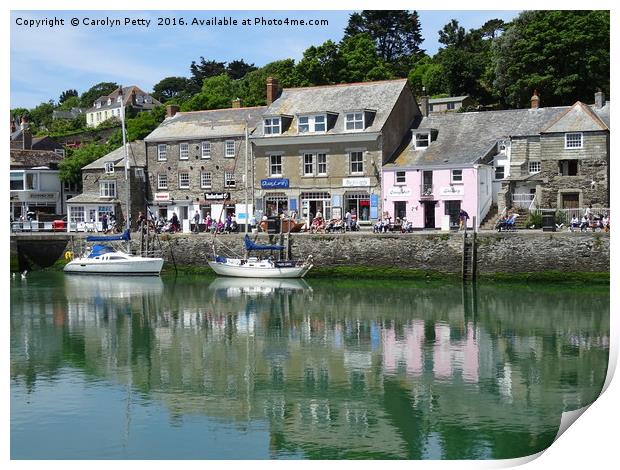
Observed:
{"x":194,"y":367}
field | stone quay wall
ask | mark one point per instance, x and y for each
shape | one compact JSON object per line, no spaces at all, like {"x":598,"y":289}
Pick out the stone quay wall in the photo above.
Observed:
{"x":520,"y":252}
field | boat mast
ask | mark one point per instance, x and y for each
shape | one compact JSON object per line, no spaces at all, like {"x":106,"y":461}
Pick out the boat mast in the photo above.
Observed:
{"x":127,"y":184}
{"x":247,"y":216}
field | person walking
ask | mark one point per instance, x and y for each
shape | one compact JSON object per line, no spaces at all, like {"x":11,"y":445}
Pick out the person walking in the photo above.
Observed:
{"x":347,"y":220}
{"x":104,"y":223}
{"x":196,"y":222}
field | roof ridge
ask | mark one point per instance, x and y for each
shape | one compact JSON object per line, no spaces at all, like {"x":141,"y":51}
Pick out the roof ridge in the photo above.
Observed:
{"x":220,"y":109}
{"x":346,"y":84}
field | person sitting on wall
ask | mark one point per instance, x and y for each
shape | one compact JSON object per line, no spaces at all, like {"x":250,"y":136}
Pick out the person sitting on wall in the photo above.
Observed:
{"x":376,"y":228}
{"x":318,"y":224}
{"x":585,"y":223}
{"x":605,"y":221}
{"x":175,"y":225}
{"x":574,"y":223}
{"x":264,"y":225}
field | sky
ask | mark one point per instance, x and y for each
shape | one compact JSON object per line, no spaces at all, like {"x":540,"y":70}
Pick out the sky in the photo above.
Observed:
{"x":48,"y":60}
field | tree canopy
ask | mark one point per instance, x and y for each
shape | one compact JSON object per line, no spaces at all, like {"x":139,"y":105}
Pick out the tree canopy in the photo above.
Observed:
{"x":100,"y":89}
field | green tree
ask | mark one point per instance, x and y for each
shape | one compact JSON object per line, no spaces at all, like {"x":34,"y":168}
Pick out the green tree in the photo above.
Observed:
{"x":217,"y":92}
{"x":563,"y":54}
{"x":71,"y":102}
{"x":360,"y":61}
{"x":41,"y":115}
{"x":170,"y":88}
{"x":71,"y":166}
{"x":396,"y":33}
{"x":65,"y":95}
{"x":237,"y":69}
{"x":252,"y":88}
{"x":202,"y":70}
{"x":452,"y":34}
{"x":139,"y":127}
{"x":100,"y":89}
{"x":320,"y":65}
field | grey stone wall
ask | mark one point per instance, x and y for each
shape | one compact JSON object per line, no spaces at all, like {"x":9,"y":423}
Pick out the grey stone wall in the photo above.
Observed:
{"x":521,"y":252}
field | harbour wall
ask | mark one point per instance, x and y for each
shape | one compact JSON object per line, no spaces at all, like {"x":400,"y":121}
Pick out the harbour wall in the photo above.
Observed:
{"x":511,"y":253}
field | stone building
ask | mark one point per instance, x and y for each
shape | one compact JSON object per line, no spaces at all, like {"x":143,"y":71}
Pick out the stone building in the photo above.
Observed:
{"x":106,"y":107}
{"x":321,"y":149}
{"x":196,"y":162}
{"x":105,"y":186}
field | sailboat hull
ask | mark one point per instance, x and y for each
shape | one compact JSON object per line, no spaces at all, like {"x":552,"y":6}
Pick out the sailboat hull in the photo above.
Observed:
{"x":259,"y":270}
{"x":136,"y":266}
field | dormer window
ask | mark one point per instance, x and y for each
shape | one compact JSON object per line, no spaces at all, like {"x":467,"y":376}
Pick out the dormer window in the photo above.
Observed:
{"x":97,"y":104}
{"x":147,"y":99}
{"x":272,"y":126}
{"x":422,"y":140}
{"x":309,"y":124}
{"x":109,"y":167}
{"x":354,"y":121}
{"x":118,"y":98}
{"x":109,"y":101}
{"x":503,"y":146}
{"x":139,"y":99}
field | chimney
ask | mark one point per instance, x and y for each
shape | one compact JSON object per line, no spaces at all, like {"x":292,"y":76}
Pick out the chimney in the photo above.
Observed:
{"x":26,"y":135}
{"x":171,"y":110}
{"x":236,"y":103}
{"x":599,"y":99}
{"x":273,"y":90}
{"x":424,"y":102}
{"x":133,"y":96}
{"x":535,"y":100}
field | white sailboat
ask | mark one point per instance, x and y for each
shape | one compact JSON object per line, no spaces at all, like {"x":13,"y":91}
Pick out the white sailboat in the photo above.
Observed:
{"x":105,"y":260}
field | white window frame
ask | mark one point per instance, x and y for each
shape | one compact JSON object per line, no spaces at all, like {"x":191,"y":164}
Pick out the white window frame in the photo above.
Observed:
{"x":352,"y":119}
{"x":272,"y":126}
{"x":227,"y":147}
{"x":206,"y":180}
{"x":229,"y":176}
{"x":275,"y":165}
{"x":76,"y":214}
{"x":107,"y":188}
{"x":568,"y":139}
{"x":351,"y":162}
{"x":205,"y":149}
{"x":321,"y":156}
{"x":118,"y":98}
{"x":109,"y":167}
{"x":162,"y":152}
{"x":310,"y":120}
{"x":311,"y":163}
{"x":397,"y":175}
{"x":458,"y":180}
{"x":428,"y":136}
{"x":60,"y":152}
{"x":162,"y":181}
{"x":183,"y":151}
{"x":184,"y":182}
{"x":534,"y":167}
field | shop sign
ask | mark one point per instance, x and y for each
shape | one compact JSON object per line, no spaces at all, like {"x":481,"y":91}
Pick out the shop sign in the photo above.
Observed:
{"x":162,"y":196}
{"x":29,"y":196}
{"x":399,"y":191}
{"x":216,"y":196}
{"x":274,"y":183}
{"x":350,"y":182}
{"x":452,"y":190}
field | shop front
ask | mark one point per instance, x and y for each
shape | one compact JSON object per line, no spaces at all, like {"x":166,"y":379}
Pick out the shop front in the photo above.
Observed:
{"x":315,"y":202}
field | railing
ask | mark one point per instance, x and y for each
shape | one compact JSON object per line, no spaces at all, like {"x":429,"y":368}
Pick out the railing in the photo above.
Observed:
{"x":565,"y":215}
{"x":522,"y":200}
{"x":426,"y":190}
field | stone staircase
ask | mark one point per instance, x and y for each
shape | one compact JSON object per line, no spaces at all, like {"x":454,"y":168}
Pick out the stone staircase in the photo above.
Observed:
{"x":492,"y":217}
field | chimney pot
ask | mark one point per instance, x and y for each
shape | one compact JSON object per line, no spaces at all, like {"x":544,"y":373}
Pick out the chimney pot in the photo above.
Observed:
{"x":599,"y":99}
{"x":535,"y":100}
{"x":171,"y":110}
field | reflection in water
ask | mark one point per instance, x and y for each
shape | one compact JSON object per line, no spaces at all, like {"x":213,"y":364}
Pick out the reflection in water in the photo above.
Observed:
{"x":282,"y":369}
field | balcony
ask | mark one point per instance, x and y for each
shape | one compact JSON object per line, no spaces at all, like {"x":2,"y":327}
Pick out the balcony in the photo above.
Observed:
{"x":426,"y":190}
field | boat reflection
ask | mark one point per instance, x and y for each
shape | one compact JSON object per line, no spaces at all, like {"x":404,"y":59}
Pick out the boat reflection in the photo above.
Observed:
{"x":94,"y":286}
{"x":238,"y":287}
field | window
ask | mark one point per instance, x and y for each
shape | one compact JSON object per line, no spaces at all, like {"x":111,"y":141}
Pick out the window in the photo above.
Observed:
{"x":205,"y":179}
{"x":275,"y":165}
{"x":17,"y":181}
{"x":354,"y":121}
{"x":573,"y":140}
{"x":162,"y":150}
{"x":450,"y":106}
{"x":76,"y":214}
{"x":206,"y":150}
{"x":503,"y":147}
{"x":118,"y":98}
{"x":499,"y":173}
{"x":272,"y":126}
{"x":32,"y":180}
{"x":184,"y":180}
{"x":357,"y":162}
{"x":534,"y":167}
{"x":139,"y":174}
{"x":421,"y":140}
{"x":457,"y":176}
{"x":139,"y":99}
{"x":308,"y":164}
{"x":311,"y":124}
{"x":98,"y":104}
{"x":321,"y":163}
{"x":230,"y":148}
{"x":60,"y":152}
{"x":400,"y":177}
{"x":109,"y":167}
{"x":568,"y":167}
{"x":109,"y":101}
{"x":183,"y":151}
{"x":107,"y":188}
{"x":229,"y":179}
{"x":162,"y":181}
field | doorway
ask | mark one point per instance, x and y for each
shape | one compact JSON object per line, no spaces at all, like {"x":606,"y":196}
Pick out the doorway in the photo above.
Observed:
{"x":429,"y":214}
{"x":570,"y":200}
{"x":400,"y":209}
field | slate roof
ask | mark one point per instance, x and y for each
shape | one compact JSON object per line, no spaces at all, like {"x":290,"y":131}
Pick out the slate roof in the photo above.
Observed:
{"x":377,"y":96}
{"x":86,"y":198}
{"x":464,"y":138}
{"x":448,"y":99}
{"x":579,"y":118}
{"x":126,"y":100}
{"x":213,"y":123}
{"x":135,"y":150}
{"x":23,"y":159}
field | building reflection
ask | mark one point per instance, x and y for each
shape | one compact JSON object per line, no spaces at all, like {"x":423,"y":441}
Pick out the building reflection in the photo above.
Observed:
{"x":332,"y":370}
